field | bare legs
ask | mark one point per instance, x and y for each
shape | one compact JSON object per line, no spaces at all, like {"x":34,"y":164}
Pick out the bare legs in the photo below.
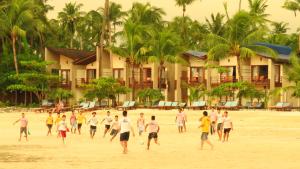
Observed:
{"x":208,"y":142}
{"x":124,"y":145}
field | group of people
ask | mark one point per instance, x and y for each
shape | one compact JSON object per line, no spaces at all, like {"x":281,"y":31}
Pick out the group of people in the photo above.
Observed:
{"x":210,"y":123}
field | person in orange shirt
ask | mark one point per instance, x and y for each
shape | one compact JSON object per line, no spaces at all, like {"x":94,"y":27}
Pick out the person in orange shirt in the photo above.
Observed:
{"x":205,"y":126}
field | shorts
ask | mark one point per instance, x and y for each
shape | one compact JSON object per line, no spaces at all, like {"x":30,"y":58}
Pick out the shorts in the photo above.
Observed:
{"x":23,"y":130}
{"x":124,"y":136}
{"x":152,"y":135}
{"x":74,"y":124}
{"x":49,"y":126}
{"x":219,"y":126}
{"x":204,"y":136}
{"x":114,"y":132}
{"x":180,"y":123}
{"x":93,"y":129}
{"x":227,"y":130}
{"x":141,"y":129}
{"x":63,"y":134}
{"x":107,"y":127}
{"x":79,"y":125}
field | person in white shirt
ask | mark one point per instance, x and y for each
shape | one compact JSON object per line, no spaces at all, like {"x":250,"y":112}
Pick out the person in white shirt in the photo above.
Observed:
{"x":93,"y":121}
{"x":115,"y":128}
{"x":63,"y":128}
{"x":153,"y":131}
{"x":125,"y":128}
{"x":227,"y":126}
{"x":220,"y":124}
{"x":108,"y":120}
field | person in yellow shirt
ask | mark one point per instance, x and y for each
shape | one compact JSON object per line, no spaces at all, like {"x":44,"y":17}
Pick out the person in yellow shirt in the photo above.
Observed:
{"x":80,"y":119}
{"x":49,"y":123}
{"x":57,"y":120}
{"x":205,"y":126}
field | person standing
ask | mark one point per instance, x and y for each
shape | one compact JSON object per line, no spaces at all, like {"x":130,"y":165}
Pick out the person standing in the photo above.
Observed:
{"x":141,"y":124}
{"x":57,"y":120}
{"x":108,"y":120}
{"x":73,"y":122}
{"x":179,"y":119}
{"x":153,"y":131}
{"x":220,"y":124}
{"x":184,"y":119}
{"x":23,"y":126}
{"x":49,"y":124}
{"x":125,"y":128}
{"x":205,"y":124}
{"x":115,"y":128}
{"x":213,"y":120}
{"x":80,"y":120}
{"x":227,"y":126}
{"x":93,"y":122}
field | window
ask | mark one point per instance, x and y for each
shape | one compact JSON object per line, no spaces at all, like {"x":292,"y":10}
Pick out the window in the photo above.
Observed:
{"x":197,"y":74}
{"x":55,"y":71}
{"x":147,"y":74}
{"x":90,"y":74}
{"x":65,"y":75}
{"x":118,"y":73}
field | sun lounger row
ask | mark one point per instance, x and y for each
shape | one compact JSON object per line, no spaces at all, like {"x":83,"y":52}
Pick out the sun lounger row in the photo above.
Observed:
{"x":165,"y":105}
{"x":127,"y":105}
{"x":201,"y":105}
{"x":282,"y":106}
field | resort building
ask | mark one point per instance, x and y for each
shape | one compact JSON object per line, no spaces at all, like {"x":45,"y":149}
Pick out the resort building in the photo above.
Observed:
{"x":265,"y":72}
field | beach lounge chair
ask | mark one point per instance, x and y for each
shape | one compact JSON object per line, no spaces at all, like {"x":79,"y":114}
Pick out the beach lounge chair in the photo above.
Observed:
{"x":174,"y":105}
{"x":198,"y":105}
{"x":168,"y":105}
{"x":91,"y":106}
{"x":231,"y":105}
{"x":160,"y":105}
{"x":182,"y":105}
{"x":282,"y":106}
{"x":259,"y":105}
{"x":248,"y":105}
{"x":125,"y":104}
{"x":83,"y":105}
{"x":45,"y":106}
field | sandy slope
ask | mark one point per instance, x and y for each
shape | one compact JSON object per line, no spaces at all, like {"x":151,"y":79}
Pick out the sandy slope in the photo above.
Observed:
{"x":261,"y":140}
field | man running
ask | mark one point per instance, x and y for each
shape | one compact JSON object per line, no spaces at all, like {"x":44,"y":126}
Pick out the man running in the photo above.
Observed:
{"x":73,"y":122}
{"x":220,"y":124}
{"x":205,"y":124}
{"x":80,"y":119}
{"x":125,"y":127}
{"x":179,"y":119}
{"x":141,"y":124}
{"x":108,"y":119}
{"x":227,"y":126}
{"x":49,"y":124}
{"x":23,"y":126}
{"x":153,"y":131}
{"x":93,"y":121}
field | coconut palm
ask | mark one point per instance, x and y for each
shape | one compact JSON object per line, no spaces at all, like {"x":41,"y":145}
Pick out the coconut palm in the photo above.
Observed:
{"x":258,"y":11}
{"x":104,"y":25}
{"x":17,"y":17}
{"x":69,"y":18}
{"x":292,"y":5}
{"x":183,"y":4}
{"x":280,"y":27}
{"x":132,"y":46}
{"x":239,"y":41}
{"x":165,"y":46}
{"x":115,"y":15}
{"x":216,"y":25}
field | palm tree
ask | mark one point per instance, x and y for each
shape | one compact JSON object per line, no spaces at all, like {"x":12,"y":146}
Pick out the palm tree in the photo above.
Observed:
{"x":115,"y":15}
{"x":216,"y":25}
{"x":132,"y":46}
{"x":70,"y":17}
{"x":17,"y":17}
{"x":239,"y":41}
{"x":292,"y":5}
{"x":183,"y":4}
{"x":104,"y":25}
{"x":280,"y":27}
{"x":165,"y":46}
{"x":257,"y":11}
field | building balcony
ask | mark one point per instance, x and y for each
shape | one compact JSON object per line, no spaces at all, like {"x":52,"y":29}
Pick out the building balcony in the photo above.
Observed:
{"x":261,"y":82}
{"x":141,"y":85}
{"x":216,"y":81}
{"x":66,"y":84}
{"x":197,"y":82}
{"x":121,"y":81}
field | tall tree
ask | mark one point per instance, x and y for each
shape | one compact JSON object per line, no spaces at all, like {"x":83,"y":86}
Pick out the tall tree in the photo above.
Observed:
{"x":216,"y":25}
{"x":258,"y":12}
{"x":280,"y":27}
{"x":239,"y":41}
{"x":70,"y":17}
{"x":17,"y":17}
{"x":292,"y":5}
{"x":183,"y":4}
{"x":165,"y":46}
{"x":104,"y":25}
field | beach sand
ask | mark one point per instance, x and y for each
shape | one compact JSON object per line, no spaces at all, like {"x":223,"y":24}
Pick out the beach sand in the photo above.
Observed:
{"x":260,"y":140}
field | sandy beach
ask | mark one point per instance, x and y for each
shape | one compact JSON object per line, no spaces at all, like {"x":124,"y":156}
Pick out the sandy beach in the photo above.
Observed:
{"x":260,"y":140}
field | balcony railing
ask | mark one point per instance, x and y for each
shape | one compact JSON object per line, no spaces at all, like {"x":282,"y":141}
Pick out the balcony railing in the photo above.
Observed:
{"x":66,"y":84}
{"x":197,"y":82}
{"x":262,"y":81}
{"x":82,"y":81}
{"x":141,"y":85}
{"x":216,"y":81}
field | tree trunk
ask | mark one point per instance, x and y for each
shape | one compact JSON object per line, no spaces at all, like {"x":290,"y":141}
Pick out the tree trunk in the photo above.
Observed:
{"x":142,"y":76}
{"x":25,"y":98}
{"x":71,"y":43}
{"x":160,"y":75}
{"x":106,"y":8}
{"x":133,"y":82}
{"x":240,"y":5}
{"x":81,"y":43}
{"x":239,"y":69}
{"x":13,"y":37}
